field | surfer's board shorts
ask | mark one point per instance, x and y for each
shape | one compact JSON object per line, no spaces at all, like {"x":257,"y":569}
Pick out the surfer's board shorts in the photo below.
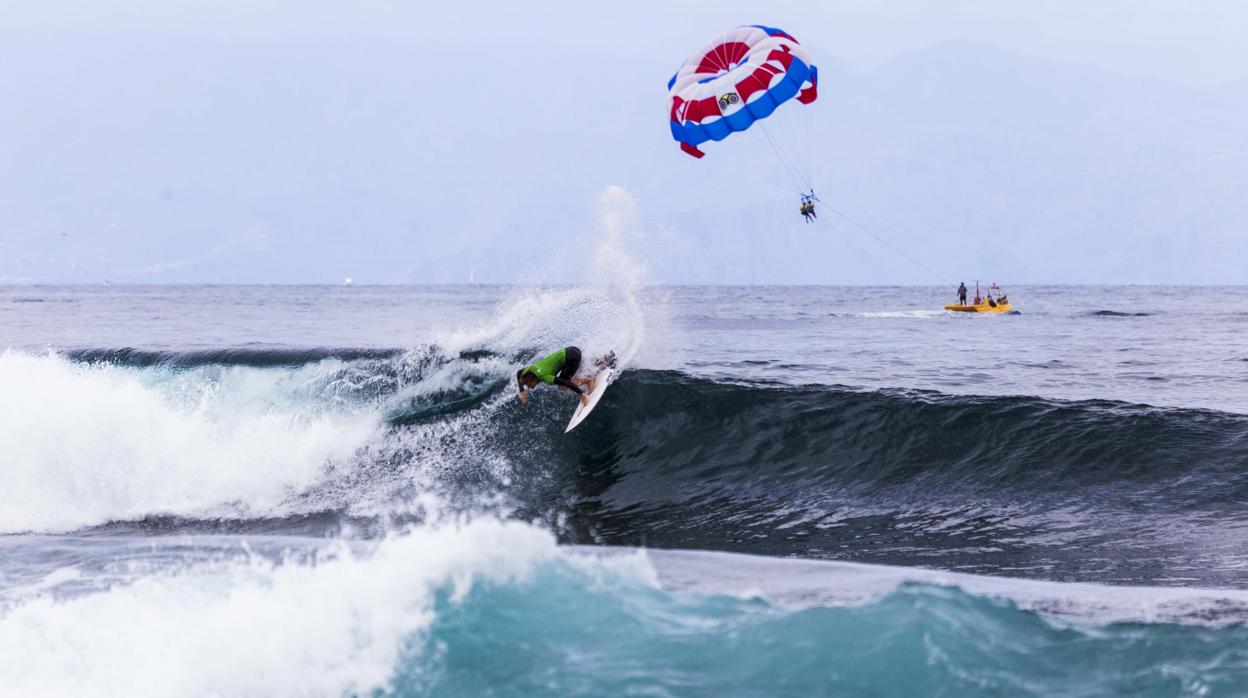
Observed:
{"x":571,"y":363}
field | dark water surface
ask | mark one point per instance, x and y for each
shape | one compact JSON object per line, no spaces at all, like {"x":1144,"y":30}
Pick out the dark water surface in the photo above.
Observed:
{"x":360,"y":448}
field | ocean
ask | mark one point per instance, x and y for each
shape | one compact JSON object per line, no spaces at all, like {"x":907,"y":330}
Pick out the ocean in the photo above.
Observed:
{"x":789,"y":491}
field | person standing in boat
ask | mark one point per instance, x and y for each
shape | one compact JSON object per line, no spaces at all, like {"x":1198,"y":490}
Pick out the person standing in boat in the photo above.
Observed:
{"x":961,"y":293}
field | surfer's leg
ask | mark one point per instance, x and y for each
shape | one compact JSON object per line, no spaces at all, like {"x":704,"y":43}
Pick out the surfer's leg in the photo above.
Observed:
{"x":572,"y":363}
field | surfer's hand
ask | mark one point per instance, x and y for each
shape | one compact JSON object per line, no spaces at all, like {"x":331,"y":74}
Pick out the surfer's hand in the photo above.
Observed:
{"x":524,"y":397}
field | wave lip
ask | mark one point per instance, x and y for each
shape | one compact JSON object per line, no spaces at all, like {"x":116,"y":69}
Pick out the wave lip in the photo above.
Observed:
{"x":256,"y":357}
{"x":797,"y":584}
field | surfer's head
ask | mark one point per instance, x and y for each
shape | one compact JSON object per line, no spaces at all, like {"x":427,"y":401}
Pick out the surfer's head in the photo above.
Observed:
{"x":525,"y":380}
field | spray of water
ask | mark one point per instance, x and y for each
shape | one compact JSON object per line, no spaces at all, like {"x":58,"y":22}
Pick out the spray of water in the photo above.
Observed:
{"x":605,"y":312}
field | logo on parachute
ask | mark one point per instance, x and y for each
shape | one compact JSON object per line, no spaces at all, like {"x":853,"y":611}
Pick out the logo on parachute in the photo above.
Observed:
{"x":729,"y":98}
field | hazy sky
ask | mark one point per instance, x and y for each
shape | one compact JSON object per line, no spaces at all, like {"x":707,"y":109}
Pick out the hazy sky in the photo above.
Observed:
{"x":1200,"y":42}
{"x":163,"y":141}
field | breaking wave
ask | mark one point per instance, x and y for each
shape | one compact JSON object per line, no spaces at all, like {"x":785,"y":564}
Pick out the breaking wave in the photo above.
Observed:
{"x":668,"y":459}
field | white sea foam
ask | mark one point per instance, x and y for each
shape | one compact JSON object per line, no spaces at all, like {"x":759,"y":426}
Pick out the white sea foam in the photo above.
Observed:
{"x":924,"y":314}
{"x":87,"y":444}
{"x":338,"y":627}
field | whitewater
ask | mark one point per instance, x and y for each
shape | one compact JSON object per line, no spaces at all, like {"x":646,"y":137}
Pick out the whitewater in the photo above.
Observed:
{"x":332,"y":491}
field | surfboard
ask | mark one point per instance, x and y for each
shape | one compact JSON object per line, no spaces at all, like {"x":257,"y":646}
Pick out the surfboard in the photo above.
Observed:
{"x":602,"y":380}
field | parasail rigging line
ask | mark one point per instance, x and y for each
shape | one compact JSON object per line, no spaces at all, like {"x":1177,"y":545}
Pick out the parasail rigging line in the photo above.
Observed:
{"x":792,"y":170}
{"x":888,"y":244}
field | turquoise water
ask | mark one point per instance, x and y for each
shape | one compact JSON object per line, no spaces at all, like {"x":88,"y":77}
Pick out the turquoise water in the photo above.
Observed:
{"x":564,"y":634}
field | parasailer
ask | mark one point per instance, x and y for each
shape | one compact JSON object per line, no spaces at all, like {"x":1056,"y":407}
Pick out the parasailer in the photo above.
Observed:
{"x":807,"y":208}
{"x":739,"y":80}
{"x":745,"y":80}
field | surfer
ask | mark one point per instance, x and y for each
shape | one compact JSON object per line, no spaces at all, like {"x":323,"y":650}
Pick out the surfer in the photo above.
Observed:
{"x":557,"y":368}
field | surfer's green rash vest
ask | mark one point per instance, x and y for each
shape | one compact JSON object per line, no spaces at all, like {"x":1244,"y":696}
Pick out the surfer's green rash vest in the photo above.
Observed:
{"x":548,"y":366}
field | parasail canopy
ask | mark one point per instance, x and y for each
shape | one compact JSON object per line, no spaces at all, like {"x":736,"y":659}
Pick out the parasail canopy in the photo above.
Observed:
{"x":736,"y":79}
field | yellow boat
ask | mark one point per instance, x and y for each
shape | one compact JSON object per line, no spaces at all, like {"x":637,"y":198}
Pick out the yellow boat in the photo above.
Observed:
{"x":986,"y":304}
{"x":983,"y":307}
